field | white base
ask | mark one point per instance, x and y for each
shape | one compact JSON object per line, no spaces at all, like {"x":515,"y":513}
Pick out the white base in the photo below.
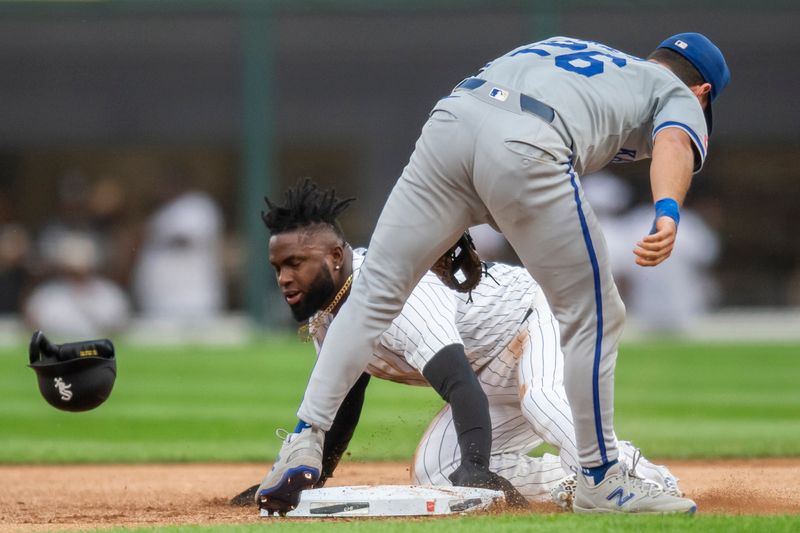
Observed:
{"x":391,"y":500}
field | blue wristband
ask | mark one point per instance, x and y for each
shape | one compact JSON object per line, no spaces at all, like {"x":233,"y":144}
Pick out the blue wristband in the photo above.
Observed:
{"x":667,"y":207}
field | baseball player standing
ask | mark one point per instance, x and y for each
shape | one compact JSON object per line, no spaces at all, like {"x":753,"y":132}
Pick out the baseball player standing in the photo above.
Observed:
{"x":507,"y":147}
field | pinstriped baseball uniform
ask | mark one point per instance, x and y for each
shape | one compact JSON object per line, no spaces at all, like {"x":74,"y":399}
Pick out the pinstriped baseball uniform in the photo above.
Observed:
{"x":507,"y":148}
{"x":511,"y":340}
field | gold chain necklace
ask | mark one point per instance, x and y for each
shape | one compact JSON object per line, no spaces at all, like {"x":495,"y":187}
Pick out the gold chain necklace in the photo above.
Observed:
{"x":306,"y":331}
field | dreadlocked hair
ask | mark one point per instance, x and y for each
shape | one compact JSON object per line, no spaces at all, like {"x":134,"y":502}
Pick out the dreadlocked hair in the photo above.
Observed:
{"x":305,"y":205}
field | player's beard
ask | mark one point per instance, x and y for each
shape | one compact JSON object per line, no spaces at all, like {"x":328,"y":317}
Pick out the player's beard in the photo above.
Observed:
{"x":320,"y":291}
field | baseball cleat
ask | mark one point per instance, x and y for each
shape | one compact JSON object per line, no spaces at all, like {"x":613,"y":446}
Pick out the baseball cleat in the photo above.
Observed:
{"x":671,"y":486}
{"x":622,"y":491}
{"x":244,"y":498}
{"x":563,"y":494}
{"x":285,"y":496}
{"x":297,"y":467}
{"x":644,"y":468}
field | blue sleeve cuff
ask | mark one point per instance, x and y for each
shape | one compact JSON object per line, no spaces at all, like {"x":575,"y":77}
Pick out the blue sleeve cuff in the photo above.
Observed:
{"x":301,"y":425}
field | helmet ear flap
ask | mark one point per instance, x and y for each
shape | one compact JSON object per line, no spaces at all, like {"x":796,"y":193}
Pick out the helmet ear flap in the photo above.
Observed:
{"x":40,"y":347}
{"x":74,"y":377}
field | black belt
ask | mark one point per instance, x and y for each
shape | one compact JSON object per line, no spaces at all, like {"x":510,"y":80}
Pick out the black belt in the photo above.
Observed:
{"x":527,"y":103}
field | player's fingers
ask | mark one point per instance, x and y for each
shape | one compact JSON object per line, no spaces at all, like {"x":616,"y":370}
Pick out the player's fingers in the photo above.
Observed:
{"x":659,"y":245}
{"x":646,"y":254}
{"x":660,"y":236}
{"x":648,"y":257}
{"x":652,"y":250}
{"x":649,"y":254}
{"x":665,"y":232}
{"x":648,"y":262}
{"x":655,"y":246}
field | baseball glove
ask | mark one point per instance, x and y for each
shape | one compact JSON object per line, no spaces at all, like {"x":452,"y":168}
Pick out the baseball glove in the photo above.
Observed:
{"x":460,"y":258}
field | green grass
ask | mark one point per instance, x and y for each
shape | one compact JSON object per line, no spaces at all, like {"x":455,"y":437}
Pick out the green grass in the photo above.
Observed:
{"x":535,"y":523}
{"x":693,"y":400}
{"x":223,"y":404}
{"x":194,"y":404}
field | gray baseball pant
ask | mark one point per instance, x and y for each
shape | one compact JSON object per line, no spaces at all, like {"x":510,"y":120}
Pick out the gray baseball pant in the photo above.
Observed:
{"x":482,"y":160}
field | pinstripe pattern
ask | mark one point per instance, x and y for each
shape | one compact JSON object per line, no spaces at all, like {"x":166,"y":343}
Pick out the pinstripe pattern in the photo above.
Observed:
{"x":434,"y":317}
{"x":512,"y":341}
{"x":541,"y":373}
{"x":494,"y":335}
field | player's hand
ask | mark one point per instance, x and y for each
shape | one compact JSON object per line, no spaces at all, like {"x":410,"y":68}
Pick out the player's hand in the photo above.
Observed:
{"x":475,"y":475}
{"x":656,"y":247}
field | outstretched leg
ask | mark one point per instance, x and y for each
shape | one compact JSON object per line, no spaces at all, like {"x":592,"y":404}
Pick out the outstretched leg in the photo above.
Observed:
{"x":430,"y":206}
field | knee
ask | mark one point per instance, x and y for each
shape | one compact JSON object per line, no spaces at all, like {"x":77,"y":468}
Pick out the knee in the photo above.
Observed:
{"x":423,"y":473}
{"x":433,"y":461}
{"x":418,"y":476}
{"x":530,"y":402}
{"x":614,"y":315}
{"x":540,"y":406}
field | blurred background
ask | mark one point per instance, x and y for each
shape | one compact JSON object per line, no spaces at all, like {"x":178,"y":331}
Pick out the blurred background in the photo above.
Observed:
{"x":138,"y":138}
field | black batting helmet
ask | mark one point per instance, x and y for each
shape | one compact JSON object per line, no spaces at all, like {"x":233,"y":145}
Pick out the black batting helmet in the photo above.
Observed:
{"x":76,"y":376}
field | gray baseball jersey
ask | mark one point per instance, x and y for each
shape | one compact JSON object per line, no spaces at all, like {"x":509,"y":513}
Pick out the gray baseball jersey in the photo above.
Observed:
{"x":508,"y":148}
{"x":601,"y":93}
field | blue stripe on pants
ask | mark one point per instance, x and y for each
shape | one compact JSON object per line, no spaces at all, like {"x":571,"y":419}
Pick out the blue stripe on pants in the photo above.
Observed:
{"x":598,"y":298}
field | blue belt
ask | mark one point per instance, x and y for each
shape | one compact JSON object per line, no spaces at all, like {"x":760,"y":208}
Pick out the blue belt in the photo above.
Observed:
{"x":527,"y":103}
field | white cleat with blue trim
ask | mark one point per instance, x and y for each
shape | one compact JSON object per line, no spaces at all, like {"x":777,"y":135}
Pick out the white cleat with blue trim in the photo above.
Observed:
{"x":297,"y":467}
{"x":563,"y":494}
{"x":622,"y":491}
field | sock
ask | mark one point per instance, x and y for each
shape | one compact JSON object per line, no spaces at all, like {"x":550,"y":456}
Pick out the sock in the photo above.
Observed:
{"x":451,"y":375}
{"x":301,"y":425}
{"x":598,"y":472}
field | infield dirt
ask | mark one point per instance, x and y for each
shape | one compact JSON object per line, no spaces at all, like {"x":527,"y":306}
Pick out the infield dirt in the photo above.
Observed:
{"x":59,"y":498}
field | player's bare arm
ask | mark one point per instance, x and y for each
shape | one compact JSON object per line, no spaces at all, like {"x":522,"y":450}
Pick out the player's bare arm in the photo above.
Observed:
{"x":670,"y":177}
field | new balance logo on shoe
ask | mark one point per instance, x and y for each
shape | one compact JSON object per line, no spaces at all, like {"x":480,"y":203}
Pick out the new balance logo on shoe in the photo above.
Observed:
{"x":622,"y":491}
{"x":619,"y":494}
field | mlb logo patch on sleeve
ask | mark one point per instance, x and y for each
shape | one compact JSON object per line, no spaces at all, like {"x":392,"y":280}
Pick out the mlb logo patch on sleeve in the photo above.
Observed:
{"x":498,"y":94}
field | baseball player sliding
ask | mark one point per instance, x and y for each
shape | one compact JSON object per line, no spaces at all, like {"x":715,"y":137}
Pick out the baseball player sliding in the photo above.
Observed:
{"x":508,"y":147}
{"x":503,"y":326}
